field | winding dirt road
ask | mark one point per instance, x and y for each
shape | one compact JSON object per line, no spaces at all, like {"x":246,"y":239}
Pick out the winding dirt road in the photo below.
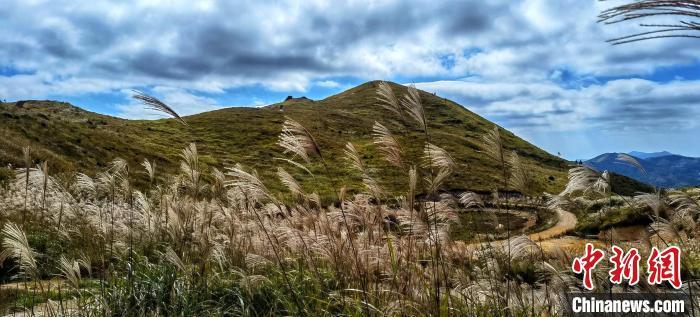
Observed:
{"x":567,"y":221}
{"x":549,"y":238}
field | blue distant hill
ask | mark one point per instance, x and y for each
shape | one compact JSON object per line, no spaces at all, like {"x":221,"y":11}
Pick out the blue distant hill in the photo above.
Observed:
{"x":645,"y":155}
{"x":663,"y":169}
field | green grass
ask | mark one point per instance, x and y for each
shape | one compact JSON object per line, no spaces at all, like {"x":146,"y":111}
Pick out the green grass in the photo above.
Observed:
{"x":482,"y":222}
{"x":620,"y":216}
{"x":625,"y":186}
{"x":75,"y":140}
{"x":6,"y":176}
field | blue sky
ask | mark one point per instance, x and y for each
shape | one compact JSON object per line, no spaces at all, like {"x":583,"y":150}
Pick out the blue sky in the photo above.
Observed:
{"x":539,"y":68}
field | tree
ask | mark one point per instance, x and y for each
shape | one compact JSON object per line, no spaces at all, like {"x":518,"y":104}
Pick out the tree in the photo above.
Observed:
{"x":686,"y":13}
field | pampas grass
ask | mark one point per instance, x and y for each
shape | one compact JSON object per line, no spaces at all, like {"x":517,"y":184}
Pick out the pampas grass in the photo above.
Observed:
{"x":297,"y":140}
{"x":584,"y":179}
{"x":520,"y":179}
{"x":387,"y":144}
{"x":291,"y":184}
{"x":646,"y":9}
{"x":150,"y":170}
{"x":412,"y":104}
{"x":70,"y":270}
{"x":388,"y":100}
{"x":155,"y":104}
{"x":436,"y":157}
{"x":15,"y":246}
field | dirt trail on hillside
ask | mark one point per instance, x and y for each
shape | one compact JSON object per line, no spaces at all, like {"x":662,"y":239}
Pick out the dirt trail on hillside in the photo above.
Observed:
{"x":567,"y":221}
{"x":551,"y":238}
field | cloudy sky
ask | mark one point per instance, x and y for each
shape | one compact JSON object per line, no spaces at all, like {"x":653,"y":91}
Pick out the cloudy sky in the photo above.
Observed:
{"x":540,"y":68}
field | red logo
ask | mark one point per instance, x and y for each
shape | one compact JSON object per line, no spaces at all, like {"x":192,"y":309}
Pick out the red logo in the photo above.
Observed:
{"x":662,"y":266}
{"x":665,"y":266}
{"x":586,"y":264}
{"x":625,"y":266}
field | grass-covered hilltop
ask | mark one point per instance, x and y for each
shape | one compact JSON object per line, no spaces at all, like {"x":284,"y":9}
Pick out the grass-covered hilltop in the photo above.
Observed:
{"x":73,"y":140}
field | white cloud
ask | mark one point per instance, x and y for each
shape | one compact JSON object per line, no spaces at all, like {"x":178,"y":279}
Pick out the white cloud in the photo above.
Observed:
{"x":328,"y":84}
{"x":214,"y":45}
{"x":625,"y":104}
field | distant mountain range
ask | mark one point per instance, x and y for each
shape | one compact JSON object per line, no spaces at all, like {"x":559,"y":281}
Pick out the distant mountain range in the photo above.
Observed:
{"x":646,"y":155}
{"x":663,"y":169}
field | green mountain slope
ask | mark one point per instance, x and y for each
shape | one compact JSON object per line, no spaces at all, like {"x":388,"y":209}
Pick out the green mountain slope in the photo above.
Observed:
{"x":72,"y":139}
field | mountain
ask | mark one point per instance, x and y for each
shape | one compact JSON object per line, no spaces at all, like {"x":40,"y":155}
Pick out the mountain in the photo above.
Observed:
{"x":72,"y":139}
{"x":667,"y":171}
{"x":646,"y":155}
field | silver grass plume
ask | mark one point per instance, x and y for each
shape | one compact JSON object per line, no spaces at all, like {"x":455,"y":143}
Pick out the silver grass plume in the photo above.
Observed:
{"x":172,"y":258}
{"x":585,"y":179}
{"x":297,"y":140}
{"x":218,"y":187}
{"x":554,"y":202}
{"x":412,"y":183}
{"x":685,"y":202}
{"x":520,"y":179}
{"x":631,"y":160}
{"x":665,"y":230}
{"x":434,"y":183}
{"x":295,"y":164}
{"x":291,"y":184}
{"x":70,"y":270}
{"x":118,"y":166}
{"x":248,"y":182}
{"x":27,"y":154}
{"x":682,"y":25}
{"x":107,"y":182}
{"x":256,"y":262}
{"x":315,"y":199}
{"x":189,"y":167}
{"x":26,"y":151}
{"x":471,"y":200}
{"x":653,"y":200}
{"x":522,"y":247}
{"x":414,"y":106}
{"x":387,"y":144}
{"x":155,"y":104}
{"x":436,"y":157}
{"x":85,"y":184}
{"x":40,"y":179}
{"x":356,"y":162}
{"x":602,"y":184}
{"x":16,"y":246}
{"x":353,"y":157}
{"x":493,"y":145}
{"x":149,"y":169}
{"x":388,"y":100}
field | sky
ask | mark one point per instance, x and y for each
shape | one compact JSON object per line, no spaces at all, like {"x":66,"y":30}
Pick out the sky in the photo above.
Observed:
{"x":539,"y":68}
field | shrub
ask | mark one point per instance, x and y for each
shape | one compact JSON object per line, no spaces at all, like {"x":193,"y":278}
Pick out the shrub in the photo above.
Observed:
{"x":6,"y":176}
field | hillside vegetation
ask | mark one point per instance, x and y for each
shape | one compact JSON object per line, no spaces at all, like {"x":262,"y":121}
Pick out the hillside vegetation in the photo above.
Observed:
{"x":72,"y":139}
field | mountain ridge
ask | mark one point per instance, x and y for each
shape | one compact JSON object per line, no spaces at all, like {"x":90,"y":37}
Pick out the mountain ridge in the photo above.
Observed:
{"x":667,"y":171}
{"x":79,"y":140}
{"x":646,"y":155}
